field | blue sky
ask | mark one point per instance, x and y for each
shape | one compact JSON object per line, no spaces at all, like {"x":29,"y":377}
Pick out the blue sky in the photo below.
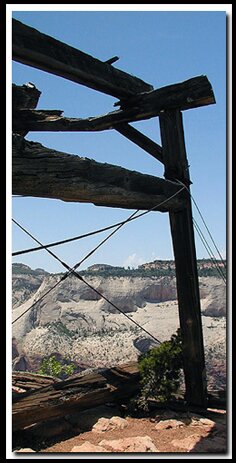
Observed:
{"x":161,"y":48}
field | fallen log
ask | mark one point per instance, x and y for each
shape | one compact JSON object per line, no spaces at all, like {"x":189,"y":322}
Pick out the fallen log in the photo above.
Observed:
{"x":81,"y":392}
{"x":30,"y":381}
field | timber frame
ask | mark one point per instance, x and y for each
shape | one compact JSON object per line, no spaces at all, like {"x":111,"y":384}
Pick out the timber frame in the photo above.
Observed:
{"x":42,"y":172}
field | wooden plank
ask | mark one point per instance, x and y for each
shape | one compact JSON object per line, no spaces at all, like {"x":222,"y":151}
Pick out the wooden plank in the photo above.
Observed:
{"x":185,"y":95}
{"x":31,"y":47}
{"x":188,"y":94}
{"x":43,"y":172}
{"x":174,"y":155}
{"x":78,"y":393}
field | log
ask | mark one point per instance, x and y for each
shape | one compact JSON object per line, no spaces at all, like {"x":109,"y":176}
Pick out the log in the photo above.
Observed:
{"x":190,"y":94}
{"x":81,"y":392}
{"x":31,"y":47}
{"x":43,"y":172}
{"x":30,"y":381}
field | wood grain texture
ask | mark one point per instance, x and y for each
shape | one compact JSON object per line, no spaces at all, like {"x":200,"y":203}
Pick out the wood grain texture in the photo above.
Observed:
{"x":176,"y":166}
{"x":31,"y":47}
{"x":42,"y":172}
{"x":78,"y":393}
{"x":190,"y":94}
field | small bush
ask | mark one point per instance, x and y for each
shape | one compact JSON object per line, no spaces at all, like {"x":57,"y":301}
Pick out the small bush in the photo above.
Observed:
{"x":53,"y":367}
{"x":160,"y":370}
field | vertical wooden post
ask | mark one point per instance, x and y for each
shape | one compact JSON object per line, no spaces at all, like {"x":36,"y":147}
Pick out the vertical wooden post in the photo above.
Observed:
{"x":176,"y":167}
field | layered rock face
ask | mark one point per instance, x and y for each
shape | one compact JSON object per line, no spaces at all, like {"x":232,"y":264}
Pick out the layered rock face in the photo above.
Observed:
{"x":78,"y":323}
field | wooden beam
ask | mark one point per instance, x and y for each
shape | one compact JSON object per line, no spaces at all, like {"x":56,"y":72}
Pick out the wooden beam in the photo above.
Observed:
{"x":31,"y":47}
{"x":81,"y":392}
{"x":24,"y":97}
{"x":43,"y":172}
{"x":174,"y":155}
{"x":29,"y":381}
{"x":141,"y":140}
{"x":186,"y":95}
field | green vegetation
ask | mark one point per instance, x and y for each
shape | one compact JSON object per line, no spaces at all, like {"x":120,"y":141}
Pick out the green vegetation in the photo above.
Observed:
{"x":60,"y":328}
{"x":163,"y":268}
{"x":129,"y":272}
{"x":160,"y":370}
{"x":53,"y":367}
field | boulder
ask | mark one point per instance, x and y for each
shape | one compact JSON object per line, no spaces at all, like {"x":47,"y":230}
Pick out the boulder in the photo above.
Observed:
{"x":138,"y":444}
{"x":168,"y":424}
{"x":106,"y":424}
{"x":88,"y":447}
{"x":188,"y":443}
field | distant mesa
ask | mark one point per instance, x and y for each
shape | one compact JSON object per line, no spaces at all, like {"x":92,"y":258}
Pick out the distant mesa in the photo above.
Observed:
{"x":102,"y":268}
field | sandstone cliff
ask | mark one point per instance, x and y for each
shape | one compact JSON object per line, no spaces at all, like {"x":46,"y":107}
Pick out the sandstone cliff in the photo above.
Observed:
{"x":77,"y":323}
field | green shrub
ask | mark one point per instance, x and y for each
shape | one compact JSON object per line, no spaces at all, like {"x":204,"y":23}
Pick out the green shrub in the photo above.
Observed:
{"x":53,"y":367}
{"x":160,"y":370}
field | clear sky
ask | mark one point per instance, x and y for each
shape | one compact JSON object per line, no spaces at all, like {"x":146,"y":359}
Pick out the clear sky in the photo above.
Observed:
{"x":162,"y":48}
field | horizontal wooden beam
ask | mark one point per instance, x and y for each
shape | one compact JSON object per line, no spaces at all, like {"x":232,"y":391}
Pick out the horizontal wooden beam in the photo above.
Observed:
{"x":189,"y":94}
{"x":186,"y":95}
{"x":31,"y":47}
{"x":42,"y":172}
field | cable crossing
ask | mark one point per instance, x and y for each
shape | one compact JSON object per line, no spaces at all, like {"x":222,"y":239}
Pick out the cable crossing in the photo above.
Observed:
{"x":77,"y":275}
{"x":75,"y":238}
{"x":204,"y":240}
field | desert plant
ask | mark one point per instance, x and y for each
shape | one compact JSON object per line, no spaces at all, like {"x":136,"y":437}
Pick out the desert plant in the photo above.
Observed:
{"x":53,"y":367}
{"x":160,"y":370}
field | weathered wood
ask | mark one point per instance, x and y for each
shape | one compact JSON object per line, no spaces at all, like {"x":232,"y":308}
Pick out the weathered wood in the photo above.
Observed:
{"x":31,"y":47}
{"x":28,"y":381}
{"x":189,"y":94}
{"x":185,"y":95}
{"x":141,"y":140}
{"x":174,"y":155}
{"x":112,"y":60}
{"x":24,"y":97}
{"x":79,"y":393}
{"x":43,"y":172}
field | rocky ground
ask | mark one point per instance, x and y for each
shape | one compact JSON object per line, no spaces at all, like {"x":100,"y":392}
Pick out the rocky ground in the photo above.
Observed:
{"x":103,"y":430}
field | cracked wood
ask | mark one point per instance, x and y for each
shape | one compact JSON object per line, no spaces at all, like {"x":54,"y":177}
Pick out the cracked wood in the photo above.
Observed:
{"x":190,"y":94}
{"x":31,"y":47}
{"x":42,"y":172}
